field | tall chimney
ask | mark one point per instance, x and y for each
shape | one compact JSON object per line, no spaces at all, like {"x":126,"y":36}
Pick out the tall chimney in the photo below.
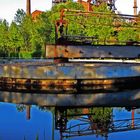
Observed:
{"x":135,"y":7}
{"x":28,"y":112}
{"x":28,"y":7}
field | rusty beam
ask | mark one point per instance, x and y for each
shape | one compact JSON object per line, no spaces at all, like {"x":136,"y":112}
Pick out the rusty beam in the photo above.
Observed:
{"x":68,"y":85}
{"x":69,"y":82}
{"x":89,"y":51}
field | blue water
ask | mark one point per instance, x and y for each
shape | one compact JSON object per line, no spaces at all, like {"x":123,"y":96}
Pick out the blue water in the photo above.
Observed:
{"x":15,"y":126}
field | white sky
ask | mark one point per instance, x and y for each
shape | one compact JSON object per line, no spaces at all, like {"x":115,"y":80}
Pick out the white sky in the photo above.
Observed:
{"x":8,"y":8}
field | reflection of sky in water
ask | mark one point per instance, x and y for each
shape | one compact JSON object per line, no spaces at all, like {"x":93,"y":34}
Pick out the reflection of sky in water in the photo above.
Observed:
{"x":14,"y":126}
{"x":130,"y":135}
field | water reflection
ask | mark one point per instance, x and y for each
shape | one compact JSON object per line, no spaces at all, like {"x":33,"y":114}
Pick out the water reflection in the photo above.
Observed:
{"x":92,"y":121}
{"x":116,"y":98}
{"x":74,"y":116}
{"x":59,"y":123}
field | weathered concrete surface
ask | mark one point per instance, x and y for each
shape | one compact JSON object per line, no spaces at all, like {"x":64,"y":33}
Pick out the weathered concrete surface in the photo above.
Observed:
{"x":126,"y":98}
{"x":68,"y":70}
{"x":71,"y":51}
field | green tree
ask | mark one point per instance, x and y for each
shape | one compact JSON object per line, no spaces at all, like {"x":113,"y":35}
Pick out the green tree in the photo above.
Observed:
{"x":43,"y":28}
{"x":100,"y":25}
{"x":4,"y":40}
{"x":92,"y":24}
{"x":16,"y":40}
{"x":26,"y":30}
{"x":20,"y":107}
{"x":19,"y":16}
{"x":127,"y":34}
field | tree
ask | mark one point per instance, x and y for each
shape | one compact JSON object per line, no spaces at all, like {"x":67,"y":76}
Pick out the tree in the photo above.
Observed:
{"x":92,"y":24}
{"x":26,"y":29}
{"x":4,"y":40}
{"x":19,"y":16}
{"x":130,"y":32}
{"x":16,"y":40}
{"x":127,"y":34}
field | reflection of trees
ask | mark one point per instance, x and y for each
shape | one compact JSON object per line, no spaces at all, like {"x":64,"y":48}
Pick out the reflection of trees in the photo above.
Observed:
{"x":46,"y":109}
{"x":20,"y":107}
{"x":97,"y":114}
{"x":101,"y":120}
{"x":23,"y":107}
{"x":98,"y":121}
{"x":101,"y":114}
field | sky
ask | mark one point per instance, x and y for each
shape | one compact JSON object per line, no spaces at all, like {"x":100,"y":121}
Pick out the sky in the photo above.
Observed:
{"x":8,"y":8}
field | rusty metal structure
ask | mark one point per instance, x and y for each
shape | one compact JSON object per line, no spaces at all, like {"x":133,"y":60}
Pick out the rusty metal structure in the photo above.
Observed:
{"x":61,"y":25}
{"x":74,"y":66}
{"x":87,"y":4}
{"x":68,"y":85}
{"x":70,"y":73}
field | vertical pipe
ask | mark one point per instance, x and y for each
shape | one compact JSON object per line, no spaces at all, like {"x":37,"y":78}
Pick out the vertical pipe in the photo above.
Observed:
{"x":28,"y":112}
{"x":28,"y":7}
{"x":133,"y":117}
{"x":135,"y":7}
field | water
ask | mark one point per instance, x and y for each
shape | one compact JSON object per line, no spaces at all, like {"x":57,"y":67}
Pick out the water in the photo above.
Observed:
{"x":37,"y":116}
{"x":57,"y":123}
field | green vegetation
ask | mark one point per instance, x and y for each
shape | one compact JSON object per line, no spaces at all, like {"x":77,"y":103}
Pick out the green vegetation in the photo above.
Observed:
{"x":27,"y":38}
{"x":98,"y":114}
